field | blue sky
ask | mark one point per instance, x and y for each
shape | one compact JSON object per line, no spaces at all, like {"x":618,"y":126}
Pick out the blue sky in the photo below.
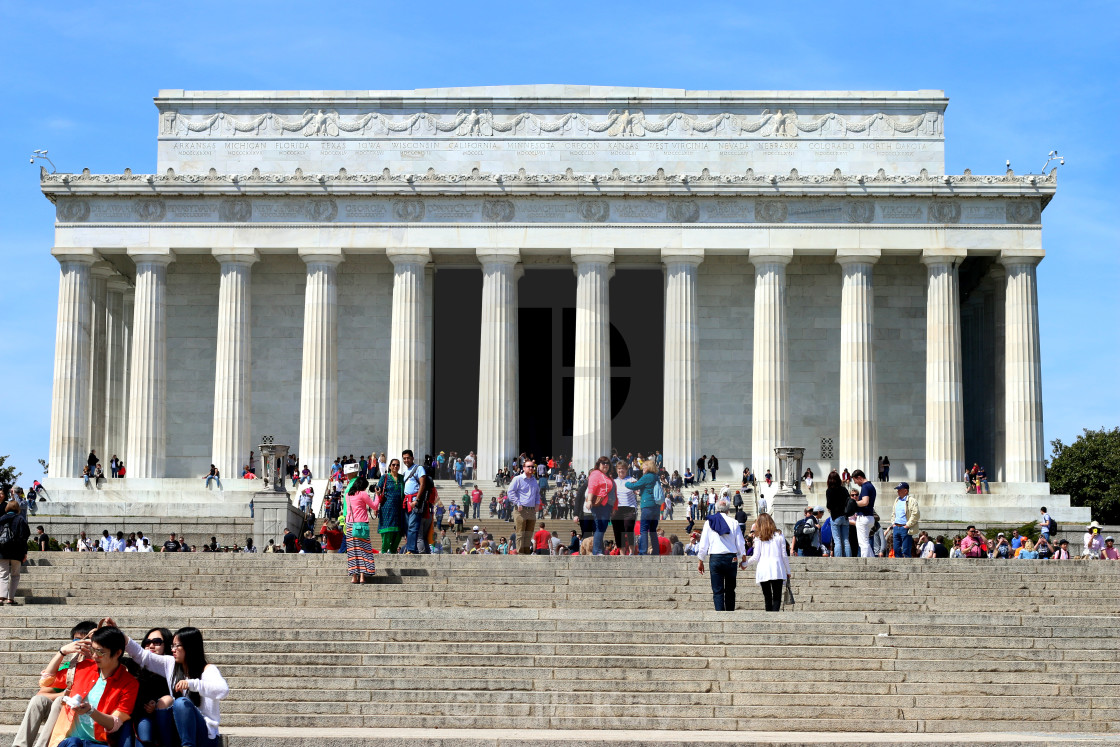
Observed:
{"x":1022,"y":78}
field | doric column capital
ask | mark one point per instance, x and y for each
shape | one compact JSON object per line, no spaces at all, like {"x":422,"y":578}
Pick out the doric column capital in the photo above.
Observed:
{"x":408,"y":255}
{"x":760,"y":257}
{"x":858,"y":256}
{"x":322,"y":256}
{"x":103,"y":270}
{"x":932,"y":257}
{"x":75,"y":254}
{"x":152,"y":255}
{"x":498,"y":256}
{"x":118,"y":284}
{"x":682,"y":256}
{"x":592,"y":256}
{"x":1030,"y":257}
{"x":234,"y":255}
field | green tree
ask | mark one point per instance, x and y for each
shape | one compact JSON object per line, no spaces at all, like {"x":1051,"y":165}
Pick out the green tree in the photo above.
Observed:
{"x":1088,"y":470}
{"x":8,"y":475}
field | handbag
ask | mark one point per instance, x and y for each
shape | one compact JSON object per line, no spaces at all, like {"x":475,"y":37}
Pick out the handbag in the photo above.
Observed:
{"x":788,"y":591}
{"x":360,"y":529}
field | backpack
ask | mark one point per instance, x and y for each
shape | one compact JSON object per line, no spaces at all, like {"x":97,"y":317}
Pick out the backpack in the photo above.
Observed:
{"x":1053,"y":527}
{"x":805,"y":528}
{"x":658,"y":494}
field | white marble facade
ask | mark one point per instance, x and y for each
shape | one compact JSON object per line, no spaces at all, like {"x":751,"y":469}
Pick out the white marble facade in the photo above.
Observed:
{"x":816,"y":260}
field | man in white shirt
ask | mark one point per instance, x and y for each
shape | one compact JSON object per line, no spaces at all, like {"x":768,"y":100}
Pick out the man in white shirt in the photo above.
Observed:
{"x":722,"y":543}
{"x":106,"y":542}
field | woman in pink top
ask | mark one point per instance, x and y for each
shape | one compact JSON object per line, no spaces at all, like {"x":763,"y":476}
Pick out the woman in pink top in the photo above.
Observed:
{"x":359,"y":552}
{"x":599,"y":489}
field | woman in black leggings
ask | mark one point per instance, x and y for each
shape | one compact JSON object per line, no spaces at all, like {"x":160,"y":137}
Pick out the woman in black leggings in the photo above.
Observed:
{"x":771,"y":561}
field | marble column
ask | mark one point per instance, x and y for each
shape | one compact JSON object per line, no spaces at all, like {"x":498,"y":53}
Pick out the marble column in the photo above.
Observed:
{"x":409,"y":353}
{"x":99,"y":359}
{"x":591,"y":417}
{"x":70,"y":394}
{"x":318,"y":400}
{"x":1024,"y":445}
{"x":497,"y":361}
{"x":147,"y":421}
{"x":770,"y":391}
{"x":859,"y":441}
{"x":681,"y":430}
{"x":233,"y":390}
{"x":129,"y":315}
{"x":997,"y":423}
{"x":115,"y":432}
{"x":944,"y":377}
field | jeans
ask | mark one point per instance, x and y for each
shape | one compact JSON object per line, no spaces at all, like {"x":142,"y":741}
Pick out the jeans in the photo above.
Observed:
{"x":723,"y":569}
{"x":151,"y":728}
{"x":772,"y":594}
{"x":622,"y":521}
{"x":701,"y":475}
{"x":191,"y":725}
{"x":470,"y":473}
{"x":459,"y":477}
{"x":841,"y":544}
{"x":648,"y":540}
{"x":215,"y":479}
{"x":602,"y":517}
{"x":412,"y":537}
{"x":475,"y":507}
{"x":863,"y":532}
{"x":903,"y":543}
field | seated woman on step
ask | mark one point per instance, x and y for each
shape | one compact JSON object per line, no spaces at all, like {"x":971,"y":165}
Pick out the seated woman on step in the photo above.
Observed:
{"x":196,"y":686}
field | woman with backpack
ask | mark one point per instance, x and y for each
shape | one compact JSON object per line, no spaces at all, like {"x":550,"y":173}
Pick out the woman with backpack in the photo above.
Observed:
{"x":14,"y":534}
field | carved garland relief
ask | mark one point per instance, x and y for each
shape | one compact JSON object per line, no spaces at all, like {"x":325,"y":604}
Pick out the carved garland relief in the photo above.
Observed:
{"x":483,"y":123}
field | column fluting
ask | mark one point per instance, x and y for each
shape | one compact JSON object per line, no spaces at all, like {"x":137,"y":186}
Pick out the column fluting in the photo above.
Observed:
{"x":944,"y":377}
{"x":318,"y":400}
{"x":71,"y":387}
{"x":859,"y":441}
{"x":100,"y":274}
{"x":233,"y":389}
{"x":591,"y":416}
{"x":1024,"y":444}
{"x":770,"y":390}
{"x":409,"y":353}
{"x":497,"y":361}
{"x":147,"y":422}
{"x":115,"y":431}
{"x":680,"y":442}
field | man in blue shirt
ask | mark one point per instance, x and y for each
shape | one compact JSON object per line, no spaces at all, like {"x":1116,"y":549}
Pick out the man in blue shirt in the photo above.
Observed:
{"x":417,"y":485}
{"x":524,"y":494}
{"x":905,"y":521}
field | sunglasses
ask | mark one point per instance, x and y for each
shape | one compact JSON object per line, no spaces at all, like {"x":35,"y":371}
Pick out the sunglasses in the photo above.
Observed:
{"x":152,"y":642}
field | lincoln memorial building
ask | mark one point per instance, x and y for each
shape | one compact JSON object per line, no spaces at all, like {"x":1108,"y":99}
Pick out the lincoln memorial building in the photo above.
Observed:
{"x":558,"y":270}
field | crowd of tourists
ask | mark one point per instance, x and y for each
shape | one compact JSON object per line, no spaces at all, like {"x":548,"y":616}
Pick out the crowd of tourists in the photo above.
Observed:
{"x":104,"y":688}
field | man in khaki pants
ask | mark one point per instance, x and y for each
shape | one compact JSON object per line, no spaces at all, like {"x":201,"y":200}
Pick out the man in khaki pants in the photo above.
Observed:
{"x":524,"y":494}
{"x":43,"y":709}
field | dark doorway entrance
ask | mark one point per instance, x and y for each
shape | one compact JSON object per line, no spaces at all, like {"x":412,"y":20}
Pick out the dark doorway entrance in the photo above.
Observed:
{"x":456,"y":335}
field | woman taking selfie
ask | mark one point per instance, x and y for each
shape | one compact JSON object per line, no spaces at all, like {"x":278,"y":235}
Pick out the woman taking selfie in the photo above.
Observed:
{"x":197,"y":687}
{"x":359,"y":552}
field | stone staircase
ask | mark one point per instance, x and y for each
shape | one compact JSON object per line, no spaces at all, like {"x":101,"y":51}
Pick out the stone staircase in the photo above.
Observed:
{"x":456,"y":647}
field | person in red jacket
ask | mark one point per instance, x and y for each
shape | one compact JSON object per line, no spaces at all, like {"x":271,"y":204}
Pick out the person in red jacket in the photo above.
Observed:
{"x":103,"y":694}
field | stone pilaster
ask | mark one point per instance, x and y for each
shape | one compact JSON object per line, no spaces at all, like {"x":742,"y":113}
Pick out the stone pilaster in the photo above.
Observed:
{"x":147,"y":422}
{"x":409,"y":416}
{"x":497,"y":366}
{"x":233,"y":390}
{"x":129,"y":317}
{"x":115,"y":431}
{"x":1024,"y":446}
{"x":997,"y":424}
{"x":770,"y":391}
{"x":681,"y":435}
{"x":71,"y":387}
{"x":859,"y":441}
{"x":591,"y":417}
{"x":99,"y":359}
{"x":318,"y":400}
{"x":944,"y":377}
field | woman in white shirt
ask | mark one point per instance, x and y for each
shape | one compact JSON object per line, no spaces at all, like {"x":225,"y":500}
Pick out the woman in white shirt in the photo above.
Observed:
{"x":722,"y":542}
{"x":198,"y":687}
{"x":625,"y":513}
{"x":771,"y":556}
